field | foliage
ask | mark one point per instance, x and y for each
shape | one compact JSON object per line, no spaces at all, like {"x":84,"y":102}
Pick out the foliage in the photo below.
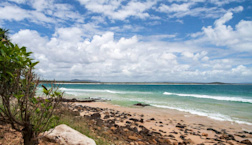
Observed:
{"x":4,"y":34}
{"x":19,"y":106}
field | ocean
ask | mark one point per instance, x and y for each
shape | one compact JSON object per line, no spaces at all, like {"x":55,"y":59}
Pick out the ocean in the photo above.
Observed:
{"x":220,"y":102}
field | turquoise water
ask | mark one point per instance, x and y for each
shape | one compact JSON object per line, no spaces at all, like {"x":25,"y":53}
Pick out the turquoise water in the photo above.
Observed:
{"x":221,"y":102}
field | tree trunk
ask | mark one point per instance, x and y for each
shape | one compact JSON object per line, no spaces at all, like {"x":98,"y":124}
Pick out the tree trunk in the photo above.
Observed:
{"x":28,"y":136}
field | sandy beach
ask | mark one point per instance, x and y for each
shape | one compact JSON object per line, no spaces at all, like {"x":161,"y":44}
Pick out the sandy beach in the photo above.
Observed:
{"x":172,"y":124}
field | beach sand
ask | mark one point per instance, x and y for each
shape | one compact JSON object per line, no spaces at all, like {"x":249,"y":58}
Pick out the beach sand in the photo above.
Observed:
{"x":177,"y":125}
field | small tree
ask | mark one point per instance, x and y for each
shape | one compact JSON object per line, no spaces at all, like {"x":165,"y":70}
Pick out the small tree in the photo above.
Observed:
{"x":19,"y":106}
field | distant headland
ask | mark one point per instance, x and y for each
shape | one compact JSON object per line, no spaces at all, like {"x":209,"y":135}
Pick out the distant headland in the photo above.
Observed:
{"x":77,"y":81}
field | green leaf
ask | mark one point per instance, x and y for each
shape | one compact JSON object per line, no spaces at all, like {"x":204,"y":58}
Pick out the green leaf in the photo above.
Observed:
{"x":34,"y":100}
{"x":18,"y":96}
{"x":35,"y":63}
{"x":45,"y":91}
{"x":37,"y":110}
{"x":10,"y":73}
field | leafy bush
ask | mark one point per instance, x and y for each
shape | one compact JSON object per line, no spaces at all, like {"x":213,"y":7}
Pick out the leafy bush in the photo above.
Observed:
{"x":19,"y":106}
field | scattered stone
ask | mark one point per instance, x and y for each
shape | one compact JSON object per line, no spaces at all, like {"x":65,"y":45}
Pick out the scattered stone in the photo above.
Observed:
{"x":95,"y":116}
{"x":152,"y":119}
{"x":182,"y":137}
{"x":180,"y":125}
{"x":106,"y":117}
{"x":204,"y":134}
{"x":188,"y":141}
{"x":113,"y":128}
{"x":217,"y":132}
{"x":133,"y":137}
{"x":247,"y":142}
{"x":134,"y":119}
{"x":242,"y":136}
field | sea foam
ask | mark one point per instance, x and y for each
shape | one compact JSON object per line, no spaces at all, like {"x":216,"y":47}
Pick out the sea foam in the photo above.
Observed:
{"x":103,"y":91}
{"x":215,"y":116}
{"x":221,"y":98}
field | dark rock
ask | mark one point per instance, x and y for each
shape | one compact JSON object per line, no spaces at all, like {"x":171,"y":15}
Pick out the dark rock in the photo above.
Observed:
{"x":135,"y":130}
{"x":99,"y":122}
{"x":75,"y":100}
{"x":106,"y":117}
{"x":141,"y":104}
{"x":180,"y":125}
{"x":172,"y":136}
{"x":227,"y":136}
{"x":161,"y":131}
{"x":76,"y":113}
{"x":128,"y":122}
{"x":182,"y":137}
{"x":134,"y":119}
{"x":156,"y":133}
{"x":152,"y":119}
{"x":188,"y":141}
{"x":174,"y":132}
{"x":246,"y":141}
{"x":141,"y":120}
{"x":95,"y":116}
{"x":242,"y":136}
{"x":217,"y":132}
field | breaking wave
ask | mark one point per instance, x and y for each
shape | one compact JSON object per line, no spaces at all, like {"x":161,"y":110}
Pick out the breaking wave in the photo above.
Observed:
{"x":221,"y":98}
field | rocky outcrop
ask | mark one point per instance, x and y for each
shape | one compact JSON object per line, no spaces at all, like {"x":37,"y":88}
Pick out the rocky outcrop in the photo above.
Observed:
{"x":141,"y":104}
{"x":65,"y":135}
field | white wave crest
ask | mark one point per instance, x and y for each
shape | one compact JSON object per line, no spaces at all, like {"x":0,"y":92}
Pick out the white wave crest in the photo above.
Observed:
{"x":221,"y":98}
{"x":103,"y":91}
{"x":215,"y":116}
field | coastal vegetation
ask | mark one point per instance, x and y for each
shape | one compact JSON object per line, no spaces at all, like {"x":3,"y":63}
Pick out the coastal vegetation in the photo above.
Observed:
{"x":19,"y":107}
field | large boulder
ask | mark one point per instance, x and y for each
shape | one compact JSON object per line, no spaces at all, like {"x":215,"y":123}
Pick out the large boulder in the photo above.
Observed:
{"x":65,"y":135}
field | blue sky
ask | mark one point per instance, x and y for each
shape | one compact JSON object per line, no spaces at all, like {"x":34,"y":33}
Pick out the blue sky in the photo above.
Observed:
{"x":135,"y":40}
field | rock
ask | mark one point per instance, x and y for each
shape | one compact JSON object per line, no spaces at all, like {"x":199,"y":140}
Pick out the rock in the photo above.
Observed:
{"x":141,"y":143}
{"x":113,"y":128}
{"x":172,"y":136}
{"x":182,"y":137}
{"x":99,"y":122}
{"x":227,"y":136}
{"x":204,"y":134}
{"x":152,"y":119}
{"x":128,"y":122}
{"x":188,"y":141}
{"x":141,"y":104}
{"x":65,"y":135}
{"x":246,"y":141}
{"x":242,"y":136}
{"x":134,"y":119}
{"x":76,"y":113}
{"x":180,"y":125}
{"x":133,"y":137}
{"x":174,"y":132}
{"x":95,"y":116}
{"x":217,"y":132}
{"x":106,"y":117}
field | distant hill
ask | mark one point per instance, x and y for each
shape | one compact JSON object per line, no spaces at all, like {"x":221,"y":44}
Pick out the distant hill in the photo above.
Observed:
{"x":88,"y":81}
{"x":217,"y":83}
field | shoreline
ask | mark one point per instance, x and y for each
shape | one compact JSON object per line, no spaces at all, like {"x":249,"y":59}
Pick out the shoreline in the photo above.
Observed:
{"x":170,"y":113}
{"x":177,"y":125}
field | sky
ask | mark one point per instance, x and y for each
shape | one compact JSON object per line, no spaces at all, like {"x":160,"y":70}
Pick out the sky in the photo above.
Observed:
{"x":134,"y":40}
